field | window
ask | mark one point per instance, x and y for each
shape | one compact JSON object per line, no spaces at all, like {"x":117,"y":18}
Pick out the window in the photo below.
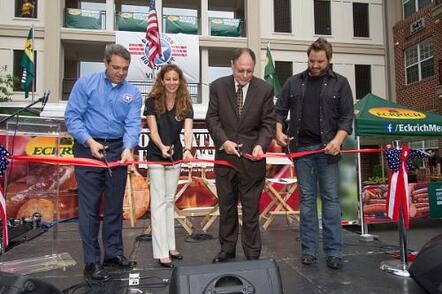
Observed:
{"x":322,"y":17}
{"x":362,"y":80}
{"x":26,"y":8}
{"x":284,"y":70}
{"x":360,"y":20}
{"x":18,"y":70}
{"x":419,"y":61}
{"x":282,"y":16}
{"x":411,"y":6}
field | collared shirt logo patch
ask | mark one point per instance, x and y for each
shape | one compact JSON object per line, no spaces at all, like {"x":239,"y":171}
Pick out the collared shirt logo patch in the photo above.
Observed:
{"x":127,"y":98}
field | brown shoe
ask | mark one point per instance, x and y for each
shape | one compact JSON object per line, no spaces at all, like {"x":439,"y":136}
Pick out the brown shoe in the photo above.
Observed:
{"x":223,"y":256}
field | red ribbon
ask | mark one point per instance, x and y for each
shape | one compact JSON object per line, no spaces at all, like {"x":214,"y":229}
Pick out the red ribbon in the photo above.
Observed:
{"x":78,"y":161}
{"x":305,"y":153}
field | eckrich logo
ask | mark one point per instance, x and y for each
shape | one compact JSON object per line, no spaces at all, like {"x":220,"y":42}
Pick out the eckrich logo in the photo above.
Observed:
{"x":396,"y":113}
{"x":48,"y":146}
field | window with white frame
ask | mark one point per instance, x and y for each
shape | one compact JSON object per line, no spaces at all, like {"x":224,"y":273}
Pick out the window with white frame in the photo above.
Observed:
{"x":362,"y":80}
{"x":282,"y":16}
{"x":26,"y":8}
{"x":361,"y":25}
{"x":411,"y":6}
{"x":419,"y":61}
{"x":322,"y":17}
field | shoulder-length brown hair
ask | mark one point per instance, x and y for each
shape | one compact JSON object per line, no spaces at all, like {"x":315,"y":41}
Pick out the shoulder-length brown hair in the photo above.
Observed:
{"x":183,"y":102}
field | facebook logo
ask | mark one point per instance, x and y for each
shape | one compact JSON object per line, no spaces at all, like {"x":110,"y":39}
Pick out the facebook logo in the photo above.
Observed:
{"x":389,"y":127}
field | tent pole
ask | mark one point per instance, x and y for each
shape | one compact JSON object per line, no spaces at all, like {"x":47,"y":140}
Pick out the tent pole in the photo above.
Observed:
{"x":365,"y":236}
{"x":383,"y":165}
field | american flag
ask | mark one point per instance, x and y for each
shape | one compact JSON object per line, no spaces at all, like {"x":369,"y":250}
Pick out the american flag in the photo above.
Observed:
{"x":3,"y":166}
{"x":399,"y":161}
{"x":153,"y":35}
{"x":4,"y":219}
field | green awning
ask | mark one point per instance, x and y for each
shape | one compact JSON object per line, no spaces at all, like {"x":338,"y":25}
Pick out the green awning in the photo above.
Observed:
{"x":83,"y":19}
{"x":176,"y":24}
{"x":132,"y":21}
{"x":375,"y":116}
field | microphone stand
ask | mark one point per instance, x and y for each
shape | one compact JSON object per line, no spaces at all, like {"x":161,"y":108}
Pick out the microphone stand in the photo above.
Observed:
{"x":43,"y":100}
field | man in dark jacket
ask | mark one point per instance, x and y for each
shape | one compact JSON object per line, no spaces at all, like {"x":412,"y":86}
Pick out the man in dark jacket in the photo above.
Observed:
{"x":321,"y":114}
{"x":240,"y":119}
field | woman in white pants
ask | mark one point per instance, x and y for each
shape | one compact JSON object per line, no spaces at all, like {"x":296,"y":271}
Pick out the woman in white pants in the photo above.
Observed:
{"x":168,"y":110}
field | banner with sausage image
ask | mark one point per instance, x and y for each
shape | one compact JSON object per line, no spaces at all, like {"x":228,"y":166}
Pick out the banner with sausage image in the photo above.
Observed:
{"x":374,"y":202}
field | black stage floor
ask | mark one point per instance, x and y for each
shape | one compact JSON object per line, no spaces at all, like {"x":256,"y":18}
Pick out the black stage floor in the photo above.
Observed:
{"x":361,"y":273}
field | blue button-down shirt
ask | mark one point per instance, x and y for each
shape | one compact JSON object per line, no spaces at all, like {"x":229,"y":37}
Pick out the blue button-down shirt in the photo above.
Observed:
{"x":98,"y":109}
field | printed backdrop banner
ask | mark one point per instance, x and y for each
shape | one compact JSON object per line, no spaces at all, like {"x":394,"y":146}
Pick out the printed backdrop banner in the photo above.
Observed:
{"x":180,"y":49}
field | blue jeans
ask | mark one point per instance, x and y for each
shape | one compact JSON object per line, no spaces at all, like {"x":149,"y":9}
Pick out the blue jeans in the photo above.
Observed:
{"x":313,"y":171}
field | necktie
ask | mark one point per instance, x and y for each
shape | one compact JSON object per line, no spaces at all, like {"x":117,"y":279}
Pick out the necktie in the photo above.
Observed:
{"x":239,"y":99}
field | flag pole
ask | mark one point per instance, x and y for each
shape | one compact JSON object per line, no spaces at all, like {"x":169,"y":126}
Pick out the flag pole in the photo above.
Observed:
{"x":33,"y":63}
{"x":395,"y":267}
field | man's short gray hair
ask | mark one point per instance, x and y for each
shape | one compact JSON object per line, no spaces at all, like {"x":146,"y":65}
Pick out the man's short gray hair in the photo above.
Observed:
{"x":116,"y":49}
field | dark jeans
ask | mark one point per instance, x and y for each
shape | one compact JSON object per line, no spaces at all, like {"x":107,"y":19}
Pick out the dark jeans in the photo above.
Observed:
{"x":92,"y":182}
{"x":314,"y":171}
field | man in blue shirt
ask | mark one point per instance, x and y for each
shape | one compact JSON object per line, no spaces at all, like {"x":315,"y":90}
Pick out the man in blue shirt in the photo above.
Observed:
{"x":103,"y":115}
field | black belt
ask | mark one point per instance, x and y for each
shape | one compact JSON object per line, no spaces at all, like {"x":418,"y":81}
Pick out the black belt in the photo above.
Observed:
{"x":100,"y":140}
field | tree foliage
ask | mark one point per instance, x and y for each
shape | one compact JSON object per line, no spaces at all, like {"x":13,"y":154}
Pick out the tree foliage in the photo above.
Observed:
{"x":6,"y":84}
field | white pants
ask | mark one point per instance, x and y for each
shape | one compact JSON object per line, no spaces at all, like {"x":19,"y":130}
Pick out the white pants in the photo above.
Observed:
{"x":163,"y":186}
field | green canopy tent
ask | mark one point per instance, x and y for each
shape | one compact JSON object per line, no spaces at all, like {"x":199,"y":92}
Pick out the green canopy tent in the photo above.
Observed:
{"x":380,"y":121}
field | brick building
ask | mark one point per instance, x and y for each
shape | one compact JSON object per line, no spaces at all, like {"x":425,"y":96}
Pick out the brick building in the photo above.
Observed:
{"x":417,"y":41}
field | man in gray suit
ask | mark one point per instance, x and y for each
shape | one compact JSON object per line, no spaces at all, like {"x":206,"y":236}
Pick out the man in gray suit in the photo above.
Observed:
{"x":240,"y":119}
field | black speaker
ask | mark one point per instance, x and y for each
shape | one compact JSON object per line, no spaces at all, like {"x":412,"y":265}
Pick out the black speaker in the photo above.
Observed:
{"x":247,"y":277}
{"x":427,"y":268}
{"x":15,"y":284}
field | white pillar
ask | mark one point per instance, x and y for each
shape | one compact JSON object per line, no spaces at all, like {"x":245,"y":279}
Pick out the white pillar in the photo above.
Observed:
{"x":110,"y":15}
{"x":253,"y":32}
{"x":53,"y":65}
{"x":205,"y":76}
{"x":204,"y":21}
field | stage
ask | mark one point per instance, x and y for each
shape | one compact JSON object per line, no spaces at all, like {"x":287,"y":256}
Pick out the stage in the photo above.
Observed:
{"x":361,"y":273}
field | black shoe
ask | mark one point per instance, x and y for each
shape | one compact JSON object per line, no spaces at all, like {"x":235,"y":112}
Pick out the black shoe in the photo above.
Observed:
{"x":334,"y":262}
{"x":96,"y":271}
{"x":166,"y":264}
{"x":176,"y":256}
{"x":308,"y":259}
{"x":223,"y":256}
{"x":252,"y":257}
{"x":119,"y":261}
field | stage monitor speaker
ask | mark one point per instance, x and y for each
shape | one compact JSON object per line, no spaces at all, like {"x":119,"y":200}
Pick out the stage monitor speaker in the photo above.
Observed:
{"x":427,"y":268}
{"x":247,"y":277}
{"x":15,"y":284}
